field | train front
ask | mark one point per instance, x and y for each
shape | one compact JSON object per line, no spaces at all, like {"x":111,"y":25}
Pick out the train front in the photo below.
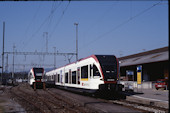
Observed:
{"x":39,"y":77}
{"x":109,"y":66}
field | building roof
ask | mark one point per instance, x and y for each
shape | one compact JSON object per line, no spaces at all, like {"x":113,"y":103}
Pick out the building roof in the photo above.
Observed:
{"x":156,"y":55}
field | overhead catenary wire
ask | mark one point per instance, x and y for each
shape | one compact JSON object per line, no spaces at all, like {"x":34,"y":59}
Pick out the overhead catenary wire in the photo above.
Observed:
{"x":63,"y":12}
{"x":49,"y":24}
{"x":120,"y":25}
{"x":52,"y":12}
{"x":28,"y":27}
{"x":43,"y":23}
{"x":100,"y":18}
{"x":50,"y":19}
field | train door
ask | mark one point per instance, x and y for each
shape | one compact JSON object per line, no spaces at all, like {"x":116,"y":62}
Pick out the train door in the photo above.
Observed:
{"x":61,"y":77}
{"x":55,"y":78}
{"x":66,"y":77}
{"x":84,"y":73}
{"x":74,"y":77}
{"x":78,"y":75}
{"x":91,"y":71}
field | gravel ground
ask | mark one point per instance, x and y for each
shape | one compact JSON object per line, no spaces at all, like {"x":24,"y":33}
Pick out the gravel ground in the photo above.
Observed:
{"x":22,"y":99}
{"x":8,"y":104}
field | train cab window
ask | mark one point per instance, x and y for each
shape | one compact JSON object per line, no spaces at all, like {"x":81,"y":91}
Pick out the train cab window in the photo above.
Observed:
{"x":66,"y":77}
{"x":31,"y":76}
{"x":96,"y":72}
{"x":74,"y":77}
{"x":84,"y":72}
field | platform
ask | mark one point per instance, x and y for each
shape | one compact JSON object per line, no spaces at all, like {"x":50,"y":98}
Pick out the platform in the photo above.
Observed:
{"x":153,"y":97}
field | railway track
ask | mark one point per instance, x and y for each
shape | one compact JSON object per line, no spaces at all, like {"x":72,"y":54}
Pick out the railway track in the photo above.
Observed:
{"x":134,"y":105}
{"x":31,"y":103}
{"x":45,"y":101}
{"x":52,"y":101}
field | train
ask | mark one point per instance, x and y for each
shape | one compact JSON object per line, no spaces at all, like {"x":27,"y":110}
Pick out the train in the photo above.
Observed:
{"x":96,"y":73}
{"x":36,"y":77}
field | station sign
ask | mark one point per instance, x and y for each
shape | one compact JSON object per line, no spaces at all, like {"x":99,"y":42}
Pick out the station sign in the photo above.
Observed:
{"x":129,"y":72}
{"x":139,"y":74}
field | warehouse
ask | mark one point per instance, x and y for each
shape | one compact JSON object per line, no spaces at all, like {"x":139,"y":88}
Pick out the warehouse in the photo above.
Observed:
{"x":154,"y":65}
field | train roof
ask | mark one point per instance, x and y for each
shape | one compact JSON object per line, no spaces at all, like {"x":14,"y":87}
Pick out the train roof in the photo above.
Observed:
{"x":91,"y":56}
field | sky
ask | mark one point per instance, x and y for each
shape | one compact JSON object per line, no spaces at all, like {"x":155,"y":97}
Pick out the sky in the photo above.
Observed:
{"x":117,"y":28}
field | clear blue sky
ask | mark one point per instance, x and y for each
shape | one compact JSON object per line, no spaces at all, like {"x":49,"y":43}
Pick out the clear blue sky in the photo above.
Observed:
{"x":112,"y":27}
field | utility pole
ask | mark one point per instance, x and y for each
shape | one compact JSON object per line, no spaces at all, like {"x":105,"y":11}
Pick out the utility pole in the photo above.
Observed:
{"x":6,"y":67}
{"x":54,"y":57}
{"x":13,"y":63}
{"x":46,"y":34}
{"x":76,"y":41}
{"x":3,"y":50}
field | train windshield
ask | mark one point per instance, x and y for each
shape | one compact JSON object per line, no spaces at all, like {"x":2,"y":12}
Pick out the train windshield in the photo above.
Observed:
{"x":38,"y":72}
{"x":109,"y":67}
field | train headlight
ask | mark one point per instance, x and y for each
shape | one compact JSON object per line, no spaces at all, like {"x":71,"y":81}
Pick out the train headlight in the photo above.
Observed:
{"x":102,"y":79}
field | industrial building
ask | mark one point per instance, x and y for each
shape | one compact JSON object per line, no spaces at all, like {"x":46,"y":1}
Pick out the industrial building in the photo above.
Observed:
{"x":154,"y":63}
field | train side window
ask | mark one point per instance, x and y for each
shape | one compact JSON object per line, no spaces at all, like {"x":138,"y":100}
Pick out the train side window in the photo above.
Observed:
{"x":96,"y":71}
{"x":58,"y":75}
{"x":74,"y":77}
{"x":69,"y":76}
{"x":66,"y":77}
{"x":84,"y":72}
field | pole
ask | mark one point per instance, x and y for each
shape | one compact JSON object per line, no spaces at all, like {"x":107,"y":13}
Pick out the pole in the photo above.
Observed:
{"x":3,"y":50}
{"x":13,"y":63}
{"x":45,"y":34}
{"x":46,"y":41}
{"x":6,"y":67}
{"x":76,"y":41}
{"x":54,"y":57}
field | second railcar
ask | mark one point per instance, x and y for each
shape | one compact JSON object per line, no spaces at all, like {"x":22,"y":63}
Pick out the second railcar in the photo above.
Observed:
{"x":36,"y":77}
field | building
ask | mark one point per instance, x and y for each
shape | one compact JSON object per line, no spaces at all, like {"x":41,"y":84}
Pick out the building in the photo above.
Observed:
{"x":154,"y":66}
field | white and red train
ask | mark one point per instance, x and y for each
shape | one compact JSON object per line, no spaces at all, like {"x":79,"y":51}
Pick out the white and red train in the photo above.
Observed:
{"x":36,"y":77}
{"x":91,"y":74}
